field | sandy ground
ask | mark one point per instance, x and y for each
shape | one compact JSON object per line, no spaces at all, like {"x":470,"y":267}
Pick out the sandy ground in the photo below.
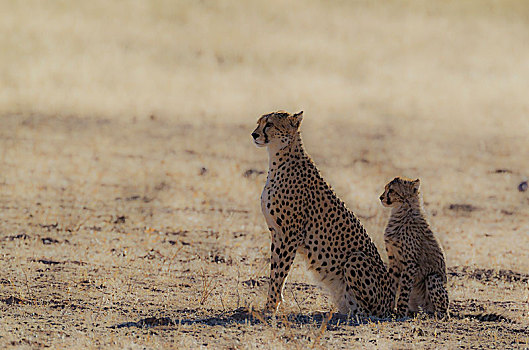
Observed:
{"x":129,"y":207}
{"x":106,"y":224}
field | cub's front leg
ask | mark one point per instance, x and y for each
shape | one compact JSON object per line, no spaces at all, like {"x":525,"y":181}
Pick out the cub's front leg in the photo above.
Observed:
{"x":283,"y":249}
{"x":407,"y":278}
{"x":394,"y":270}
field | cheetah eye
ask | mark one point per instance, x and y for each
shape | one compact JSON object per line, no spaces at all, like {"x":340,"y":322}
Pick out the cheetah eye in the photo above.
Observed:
{"x":267,"y":125}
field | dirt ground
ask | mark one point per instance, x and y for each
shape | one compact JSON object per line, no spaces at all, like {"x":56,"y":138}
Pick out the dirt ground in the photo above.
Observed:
{"x":148,"y":233}
{"x":129,"y":183}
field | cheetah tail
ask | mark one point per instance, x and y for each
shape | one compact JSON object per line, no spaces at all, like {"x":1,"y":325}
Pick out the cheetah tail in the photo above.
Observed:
{"x":490,"y":317}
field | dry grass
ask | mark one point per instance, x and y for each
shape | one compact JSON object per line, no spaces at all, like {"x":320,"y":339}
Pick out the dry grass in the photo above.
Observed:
{"x":110,"y":216}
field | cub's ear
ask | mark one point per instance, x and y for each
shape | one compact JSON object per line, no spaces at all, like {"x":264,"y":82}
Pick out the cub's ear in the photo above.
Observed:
{"x":295,"y":119}
{"x":416,"y":184}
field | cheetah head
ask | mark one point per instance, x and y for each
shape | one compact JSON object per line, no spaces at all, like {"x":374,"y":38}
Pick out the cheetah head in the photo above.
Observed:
{"x":277,"y":128}
{"x":399,"y":190}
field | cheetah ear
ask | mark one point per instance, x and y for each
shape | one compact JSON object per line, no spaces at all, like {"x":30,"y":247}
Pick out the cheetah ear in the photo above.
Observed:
{"x":295,"y":119}
{"x":416,"y":185}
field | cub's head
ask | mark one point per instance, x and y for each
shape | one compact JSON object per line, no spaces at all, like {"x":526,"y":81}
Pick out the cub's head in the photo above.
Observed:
{"x":400,"y":190}
{"x":277,"y":128}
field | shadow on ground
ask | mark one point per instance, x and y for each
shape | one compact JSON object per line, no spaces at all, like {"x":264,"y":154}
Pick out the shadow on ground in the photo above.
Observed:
{"x":459,"y":309}
{"x":330,"y":321}
{"x":245,"y":316}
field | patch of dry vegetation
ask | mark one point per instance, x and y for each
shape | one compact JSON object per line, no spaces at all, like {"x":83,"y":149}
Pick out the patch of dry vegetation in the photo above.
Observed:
{"x":130,"y":212}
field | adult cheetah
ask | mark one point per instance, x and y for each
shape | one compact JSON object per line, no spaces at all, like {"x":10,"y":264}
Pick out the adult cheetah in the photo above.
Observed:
{"x":416,"y":261}
{"x":304,"y":215}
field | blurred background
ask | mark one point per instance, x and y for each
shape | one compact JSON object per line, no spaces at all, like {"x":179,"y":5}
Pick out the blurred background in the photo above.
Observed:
{"x":449,"y":64}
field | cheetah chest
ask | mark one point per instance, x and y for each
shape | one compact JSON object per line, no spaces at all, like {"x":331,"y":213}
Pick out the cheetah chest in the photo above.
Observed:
{"x":267,"y":207}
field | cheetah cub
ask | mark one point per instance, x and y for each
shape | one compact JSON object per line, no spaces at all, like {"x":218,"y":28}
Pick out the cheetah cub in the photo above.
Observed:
{"x":416,"y":261}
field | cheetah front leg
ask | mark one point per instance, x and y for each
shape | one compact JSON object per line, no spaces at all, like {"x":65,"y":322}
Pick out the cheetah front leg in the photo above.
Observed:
{"x":394,"y":271}
{"x":283,"y":249}
{"x":407,"y":277}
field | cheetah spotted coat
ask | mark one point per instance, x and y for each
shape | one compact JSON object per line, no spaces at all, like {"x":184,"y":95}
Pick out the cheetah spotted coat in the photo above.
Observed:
{"x":305,"y":216}
{"x":416,"y":260}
